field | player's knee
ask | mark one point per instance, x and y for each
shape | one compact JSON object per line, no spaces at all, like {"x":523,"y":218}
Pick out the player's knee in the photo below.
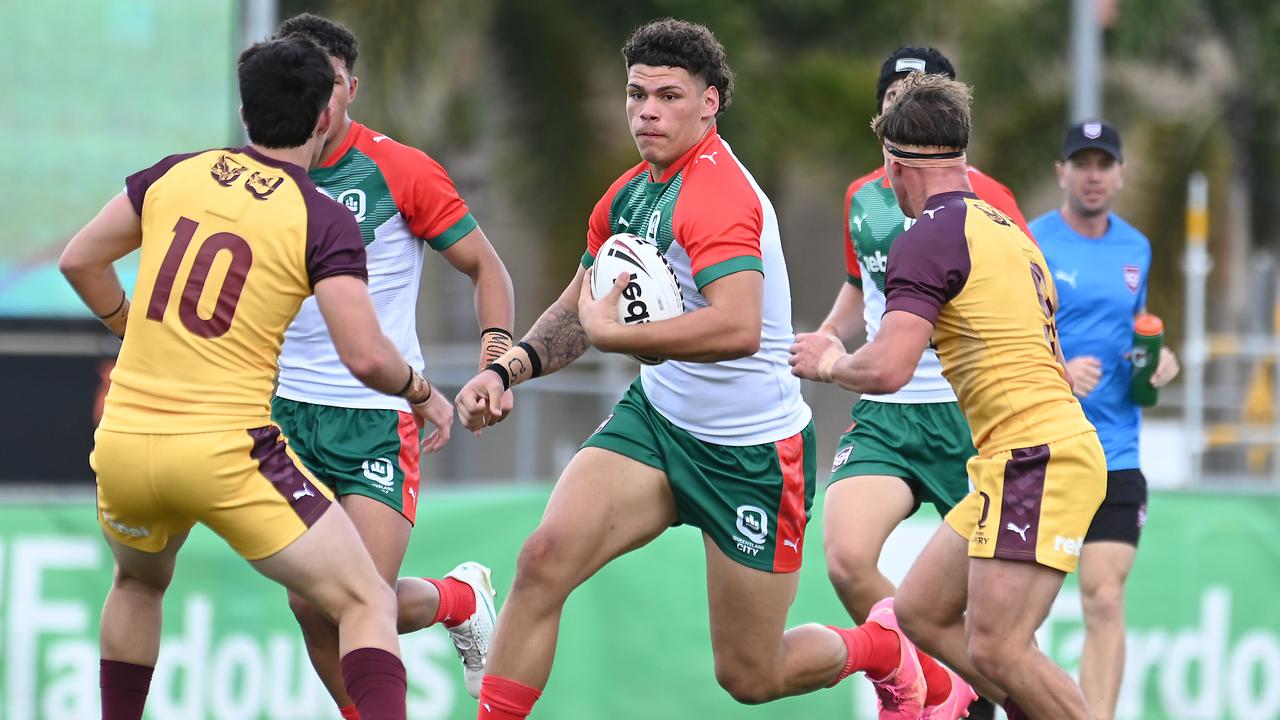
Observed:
{"x":992,"y":654}
{"x":744,"y":685}
{"x":151,"y":582}
{"x":1104,"y":604}
{"x":542,"y":565}
{"x":915,"y":616}
{"x":851,"y":568}
{"x":307,"y":615}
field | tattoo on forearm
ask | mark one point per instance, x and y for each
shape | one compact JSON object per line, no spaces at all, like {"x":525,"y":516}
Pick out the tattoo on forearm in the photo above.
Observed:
{"x":516,"y":367}
{"x":558,"y":337}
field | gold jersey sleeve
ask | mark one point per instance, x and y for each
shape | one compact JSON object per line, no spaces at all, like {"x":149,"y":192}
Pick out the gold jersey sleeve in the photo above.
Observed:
{"x":984,"y":284}
{"x":232,"y":242}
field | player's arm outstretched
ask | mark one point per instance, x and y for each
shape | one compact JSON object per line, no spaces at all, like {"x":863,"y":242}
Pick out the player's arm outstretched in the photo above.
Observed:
{"x":554,"y":341}
{"x":881,"y":366}
{"x":87,"y":260}
{"x":371,"y":356}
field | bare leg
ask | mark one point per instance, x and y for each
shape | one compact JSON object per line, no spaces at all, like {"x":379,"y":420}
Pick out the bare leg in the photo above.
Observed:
{"x":603,"y":506}
{"x":858,"y":516}
{"x":385,"y":534}
{"x":330,"y":568}
{"x":931,"y":606}
{"x":1104,"y":567}
{"x":756,"y":661}
{"x":131,"y":615}
{"x":1008,"y":600}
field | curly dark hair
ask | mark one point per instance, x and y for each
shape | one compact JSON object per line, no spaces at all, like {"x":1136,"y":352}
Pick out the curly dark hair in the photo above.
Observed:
{"x":683,"y":44}
{"x":333,"y":36}
{"x":284,"y":86}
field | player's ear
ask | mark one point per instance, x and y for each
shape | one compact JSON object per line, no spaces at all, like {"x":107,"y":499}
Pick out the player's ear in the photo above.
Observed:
{"x":324,"y":122}
{"x":351,"y":91}
{"x":710,"y":102}
{"x":1119,"y":175}
{"x":1061,"y":169}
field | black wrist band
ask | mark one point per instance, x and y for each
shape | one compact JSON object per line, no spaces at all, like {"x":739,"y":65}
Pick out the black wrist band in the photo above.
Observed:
{"x":123,"y":297}
{"x":501,"y":331}
{"x":535,"y":362}
{"x":407,"y":383}
{"x":502,"y":373}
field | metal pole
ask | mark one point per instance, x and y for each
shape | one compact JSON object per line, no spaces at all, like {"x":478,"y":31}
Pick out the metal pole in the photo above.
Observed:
{"x":1086,"y":61}
{"x":257,"y":22}
{"x":1196,"y":266}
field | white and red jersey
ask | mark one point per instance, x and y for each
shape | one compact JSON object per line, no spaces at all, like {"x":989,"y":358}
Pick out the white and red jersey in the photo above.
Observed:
{"x":709,"y":218}
{"x":403,"y":201}
{"x":872,"y":221}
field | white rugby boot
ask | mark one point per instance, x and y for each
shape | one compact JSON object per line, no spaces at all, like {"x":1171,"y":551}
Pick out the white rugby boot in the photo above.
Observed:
{"x":471,"y":636}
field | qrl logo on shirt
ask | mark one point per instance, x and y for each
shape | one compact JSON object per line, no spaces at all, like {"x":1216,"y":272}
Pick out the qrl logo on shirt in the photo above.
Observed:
{"x":380,"y":471}
{"x":1132,"y":278}
{"x":355,"y":201}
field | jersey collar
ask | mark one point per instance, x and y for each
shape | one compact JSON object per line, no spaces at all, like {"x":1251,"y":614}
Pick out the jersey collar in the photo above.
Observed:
{"x":709,"y":139}
{"x":350,"y":139}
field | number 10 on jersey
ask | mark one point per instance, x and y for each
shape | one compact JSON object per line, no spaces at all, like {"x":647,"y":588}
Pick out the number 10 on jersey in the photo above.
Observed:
{"x":224,"y":308}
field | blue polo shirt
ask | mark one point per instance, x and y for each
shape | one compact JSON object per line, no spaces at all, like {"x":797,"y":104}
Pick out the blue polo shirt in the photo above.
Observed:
{"x":1102,"y":284}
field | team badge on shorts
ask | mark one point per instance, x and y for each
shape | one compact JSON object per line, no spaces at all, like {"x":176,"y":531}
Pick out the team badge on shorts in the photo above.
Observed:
{"x":841,"y":458}
{"x":380,"y":471}
{"x":753,"y":529}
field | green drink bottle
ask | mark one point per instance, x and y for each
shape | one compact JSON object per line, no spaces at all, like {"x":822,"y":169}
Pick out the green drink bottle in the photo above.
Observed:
{"x":1148,"y":338}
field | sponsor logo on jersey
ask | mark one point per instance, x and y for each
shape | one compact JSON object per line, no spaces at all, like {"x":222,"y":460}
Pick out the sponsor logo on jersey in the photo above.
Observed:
{"x":603,"y":423}
{"x":1066,"y":277}
{"x":261,"y":186}
{"x":380,"y":471}
{"x":1021,"y":531}
{"x":355,"y":201}
{"x":1132,"y":278}
{"x":131,"y":531}
{"x":1068,"y":546}
{"x":226,"y":170}
{"x":877,"y":262}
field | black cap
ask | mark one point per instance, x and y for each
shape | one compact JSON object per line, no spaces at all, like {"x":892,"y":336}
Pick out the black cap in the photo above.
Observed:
{"x":910,"y":59}
{"x":1092,"y":134}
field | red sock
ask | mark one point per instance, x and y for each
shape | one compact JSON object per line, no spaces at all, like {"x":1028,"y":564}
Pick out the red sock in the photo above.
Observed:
{"x":375,"y":681}
{"x":124,"y":689}
{"x":503,"y":699}
{"x":349,"y":712}
{"x":1013,"y":711}
{"x":937,"y":681}
{"x":872,"y":648}
{"x":457,"y":601}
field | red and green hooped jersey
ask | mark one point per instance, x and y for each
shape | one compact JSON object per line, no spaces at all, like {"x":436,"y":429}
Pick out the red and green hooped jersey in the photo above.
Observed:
{"x":709,"y":218}
{"x":402,"y":200}
{"x":872,"y":221}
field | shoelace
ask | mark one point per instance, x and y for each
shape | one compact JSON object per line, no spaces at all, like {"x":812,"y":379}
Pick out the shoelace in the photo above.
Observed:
{"x":890,"y":696}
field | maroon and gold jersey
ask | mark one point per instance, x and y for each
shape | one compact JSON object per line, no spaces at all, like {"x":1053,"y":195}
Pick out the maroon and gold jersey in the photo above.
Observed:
{"x":232,"y":242}
{"x":971,"y":271}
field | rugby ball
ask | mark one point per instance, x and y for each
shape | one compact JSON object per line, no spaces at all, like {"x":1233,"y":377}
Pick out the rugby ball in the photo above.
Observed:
{"x":653,"y":293}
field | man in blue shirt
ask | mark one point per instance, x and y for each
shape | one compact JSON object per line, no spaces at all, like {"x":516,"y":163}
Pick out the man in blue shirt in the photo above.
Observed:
{"x":1100,"y":264}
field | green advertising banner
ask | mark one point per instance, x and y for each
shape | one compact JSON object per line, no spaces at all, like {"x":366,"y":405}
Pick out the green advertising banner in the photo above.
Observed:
{"x":1204,"y":636}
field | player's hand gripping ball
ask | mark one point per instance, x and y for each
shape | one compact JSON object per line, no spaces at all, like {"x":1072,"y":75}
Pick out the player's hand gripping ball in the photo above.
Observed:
{"x":653,"y":293}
